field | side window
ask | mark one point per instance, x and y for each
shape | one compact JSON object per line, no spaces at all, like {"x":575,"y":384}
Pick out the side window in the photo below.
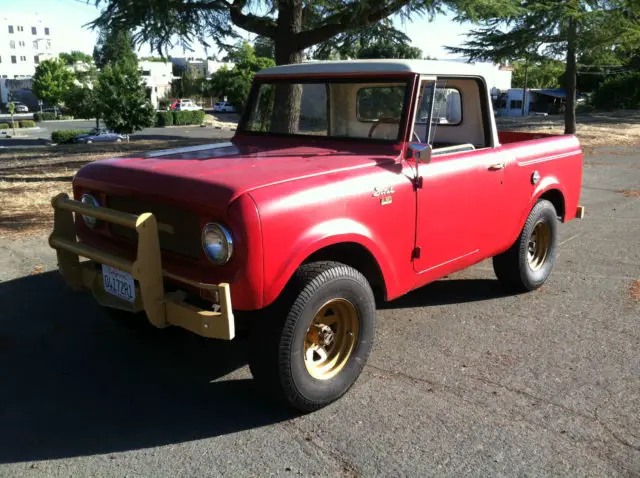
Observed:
{"x":439,"y":105}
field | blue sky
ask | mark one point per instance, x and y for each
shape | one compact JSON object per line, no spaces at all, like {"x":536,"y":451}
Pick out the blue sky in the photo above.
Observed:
{"x":67,"y":17}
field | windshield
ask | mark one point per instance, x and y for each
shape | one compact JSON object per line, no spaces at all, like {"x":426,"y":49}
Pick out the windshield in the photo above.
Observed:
{"x":331,"y":108}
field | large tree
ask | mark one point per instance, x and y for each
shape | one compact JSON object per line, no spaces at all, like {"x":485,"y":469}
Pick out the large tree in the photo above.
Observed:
{"x":122,"y":98}
{"x":292,"y":25}
{"x":114,"y":45}
{"x":378,"y":40}
{"x":530,"y":29}
{"x":52,"y":81}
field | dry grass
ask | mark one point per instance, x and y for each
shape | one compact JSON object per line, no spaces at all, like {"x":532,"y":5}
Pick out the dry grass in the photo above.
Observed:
{"x":630,"y":193}
{"x":593,"y":130}
{"x":29,"y":178}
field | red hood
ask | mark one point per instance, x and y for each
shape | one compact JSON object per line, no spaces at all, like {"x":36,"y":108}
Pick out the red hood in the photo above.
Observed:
{"x":215,"y":174}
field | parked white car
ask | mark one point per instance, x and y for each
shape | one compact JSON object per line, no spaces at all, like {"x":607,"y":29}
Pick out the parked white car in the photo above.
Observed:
{"x":21,"y":107}
{"x":223,"y":107}
{"x":187,"y":105}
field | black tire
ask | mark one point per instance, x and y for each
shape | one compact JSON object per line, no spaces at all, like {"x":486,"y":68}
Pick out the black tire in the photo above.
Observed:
{"x":513,"y":267}
{"x":277,"y":352}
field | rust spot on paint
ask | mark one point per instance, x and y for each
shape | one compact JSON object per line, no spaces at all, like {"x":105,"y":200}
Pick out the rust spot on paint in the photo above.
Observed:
{"x":634,"y":290}
{"x":630,"y":193}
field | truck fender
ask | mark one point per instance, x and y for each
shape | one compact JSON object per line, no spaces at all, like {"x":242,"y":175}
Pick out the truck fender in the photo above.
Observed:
{"x":547,"y":184}
{"x":323,"y":235}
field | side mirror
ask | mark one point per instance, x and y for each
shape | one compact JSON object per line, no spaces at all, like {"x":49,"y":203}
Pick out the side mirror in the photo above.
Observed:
{"x":421,"y":153}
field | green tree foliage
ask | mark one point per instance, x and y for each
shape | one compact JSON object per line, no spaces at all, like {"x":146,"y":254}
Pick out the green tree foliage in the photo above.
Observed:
{"x":123,"y":98}
{"x":621,"y":92}
{"x":264,"y":48}
{"x":75,"y":57}
{"x":540,"y":74}
{"x":52,"y":81}
{"x":114,"y":45}
{"x":379,"y":40}
{"x":235,"y":83}
{"x":292,"y":25}
{"x":516,"y":29}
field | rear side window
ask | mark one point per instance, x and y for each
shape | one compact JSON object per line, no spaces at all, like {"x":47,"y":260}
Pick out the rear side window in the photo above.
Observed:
{"x":376,"y":102}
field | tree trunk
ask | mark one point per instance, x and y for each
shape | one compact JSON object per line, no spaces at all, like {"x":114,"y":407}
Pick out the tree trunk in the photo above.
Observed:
{"x":286,"y":112}
{"x":570,"y":78}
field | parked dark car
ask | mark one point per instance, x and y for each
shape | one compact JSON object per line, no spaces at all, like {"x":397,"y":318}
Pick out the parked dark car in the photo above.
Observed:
{"x":100,"y":135}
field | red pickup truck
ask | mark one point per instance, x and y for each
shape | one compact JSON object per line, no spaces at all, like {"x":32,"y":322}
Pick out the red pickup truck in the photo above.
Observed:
{"x":345,"y":182}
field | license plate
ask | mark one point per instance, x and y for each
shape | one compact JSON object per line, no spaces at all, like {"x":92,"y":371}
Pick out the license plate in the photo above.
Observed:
{"x":118,"y":283}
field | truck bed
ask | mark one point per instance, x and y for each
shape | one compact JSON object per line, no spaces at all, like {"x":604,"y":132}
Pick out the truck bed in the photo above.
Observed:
{"x":507,"y":137}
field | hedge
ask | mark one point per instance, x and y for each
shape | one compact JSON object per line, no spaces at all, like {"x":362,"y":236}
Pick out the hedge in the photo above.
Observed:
{"x":65,"y":117}
{"x":4,"y":125}
{"x":9,"y":125}
{"x":164,"y":118}
{"x":27,"y":124}
{"x":181,"y":118}
{"x":46,"y":116}
{"x":66,"y":136}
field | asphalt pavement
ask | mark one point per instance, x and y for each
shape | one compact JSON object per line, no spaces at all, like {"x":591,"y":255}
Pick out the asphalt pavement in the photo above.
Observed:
{"x":463,"y":379}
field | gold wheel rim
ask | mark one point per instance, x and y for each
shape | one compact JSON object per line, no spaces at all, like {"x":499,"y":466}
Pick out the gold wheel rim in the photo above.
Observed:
{"x":539,"y":245}
{"x":331,"y":338}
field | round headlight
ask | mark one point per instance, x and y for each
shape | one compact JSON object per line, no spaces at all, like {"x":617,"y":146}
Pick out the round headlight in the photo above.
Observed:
{"x":217,"y":243}
{"x":90,"y":221}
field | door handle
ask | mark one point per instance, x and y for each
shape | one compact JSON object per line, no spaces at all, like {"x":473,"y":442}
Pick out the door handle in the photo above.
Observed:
{"x":496,"y":167}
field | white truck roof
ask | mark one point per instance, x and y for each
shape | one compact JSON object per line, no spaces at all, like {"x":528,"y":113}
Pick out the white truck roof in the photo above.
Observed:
{"x":424,"y":67}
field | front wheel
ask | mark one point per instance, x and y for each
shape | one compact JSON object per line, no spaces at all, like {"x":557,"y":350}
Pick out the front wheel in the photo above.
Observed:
{"x":316,"y":341}
{"x":527,"y":264}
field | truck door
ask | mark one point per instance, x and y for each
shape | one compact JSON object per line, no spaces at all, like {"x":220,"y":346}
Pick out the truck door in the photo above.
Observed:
{"x":459,"y":195}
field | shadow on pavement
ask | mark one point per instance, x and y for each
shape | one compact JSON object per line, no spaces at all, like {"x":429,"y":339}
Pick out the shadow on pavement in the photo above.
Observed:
{"x":75,"y":382}
{"x":449,"y":291}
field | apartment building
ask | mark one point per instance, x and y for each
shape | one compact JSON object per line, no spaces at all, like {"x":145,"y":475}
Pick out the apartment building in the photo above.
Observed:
{"x":25,"y":41}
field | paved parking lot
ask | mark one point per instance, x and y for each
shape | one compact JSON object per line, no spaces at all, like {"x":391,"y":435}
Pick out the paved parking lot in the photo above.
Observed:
{"x":463,"y":380}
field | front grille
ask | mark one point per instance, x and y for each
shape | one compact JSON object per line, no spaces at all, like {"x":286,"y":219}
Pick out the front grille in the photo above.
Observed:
{"x":185,"y":239}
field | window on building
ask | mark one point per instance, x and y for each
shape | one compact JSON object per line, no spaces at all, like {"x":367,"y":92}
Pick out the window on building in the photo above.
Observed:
{"x":48,"y":44}
{"x":146,"y":72}
{"x":34,"y":31}
{"x":35,"y":44}
{"x":23,"y":58}
{"x":10,"y":28}
{"x":20,"y":28}
{"x":13,"y":59}
{"x":12,"y":44}
{"x":0,"y":59}
{"x":515,"y":104}
{"x":46,"y":30}
{"x":36,"y":60}
{"x":21,"y":44}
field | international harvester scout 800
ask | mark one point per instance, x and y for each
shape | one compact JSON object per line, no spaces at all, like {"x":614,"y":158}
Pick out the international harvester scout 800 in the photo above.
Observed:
{"x":344,"y":183}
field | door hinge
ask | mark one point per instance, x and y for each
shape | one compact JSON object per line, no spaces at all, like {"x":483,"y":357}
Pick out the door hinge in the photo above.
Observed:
{"x":415,"y":254}
{"x":417,"y":183}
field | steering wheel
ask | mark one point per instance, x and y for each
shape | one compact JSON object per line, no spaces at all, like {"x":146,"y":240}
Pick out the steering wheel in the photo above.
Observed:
{"x":381,"y":120}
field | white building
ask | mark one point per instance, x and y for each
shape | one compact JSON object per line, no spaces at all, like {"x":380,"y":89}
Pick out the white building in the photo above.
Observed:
{"x":25,"y":41}
{"x":157,"y":76}
{"x":213,"y":66}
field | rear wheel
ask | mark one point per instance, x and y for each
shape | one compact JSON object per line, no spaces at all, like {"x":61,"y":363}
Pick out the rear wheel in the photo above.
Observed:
{"x":528,"y":263}
{"x":310,"y":348}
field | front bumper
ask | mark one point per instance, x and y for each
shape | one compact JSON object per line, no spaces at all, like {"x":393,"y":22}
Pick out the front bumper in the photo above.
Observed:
{"x":162,"y":309}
